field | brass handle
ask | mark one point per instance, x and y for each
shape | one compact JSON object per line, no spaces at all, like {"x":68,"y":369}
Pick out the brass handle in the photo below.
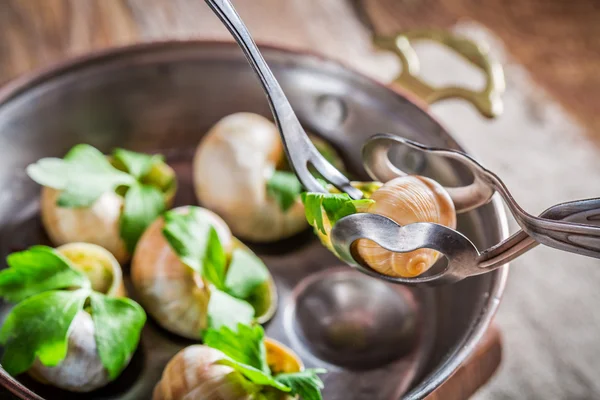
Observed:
{"x":487,"y":101}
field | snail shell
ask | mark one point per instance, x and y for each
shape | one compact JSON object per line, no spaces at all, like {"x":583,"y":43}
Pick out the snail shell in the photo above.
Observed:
{"x":171,"y":292}
{"x":82,"y":370}
{"x":193,"y":375}
{"x":406,"y":200}
{"x":232,"y":165}
{"x":97,"y":224}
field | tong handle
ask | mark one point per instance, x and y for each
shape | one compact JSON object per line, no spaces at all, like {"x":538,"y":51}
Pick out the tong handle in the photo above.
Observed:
{"x":584,"y":215}
{"x":292,"y":134}
{"x":577,"y":231}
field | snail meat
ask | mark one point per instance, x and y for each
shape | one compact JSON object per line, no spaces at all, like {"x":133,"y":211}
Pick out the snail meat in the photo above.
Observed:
{"x":253,"y":188}
{"x":71,"y":327}
{"x":237,"y":365}
{"x":190,"y":273}
{"x":406,"y":200}
{"x":108,"y":201}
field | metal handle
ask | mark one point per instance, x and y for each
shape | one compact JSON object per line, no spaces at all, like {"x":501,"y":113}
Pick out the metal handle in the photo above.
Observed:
{"x":292,"y":134}
{"x":487,"y":101}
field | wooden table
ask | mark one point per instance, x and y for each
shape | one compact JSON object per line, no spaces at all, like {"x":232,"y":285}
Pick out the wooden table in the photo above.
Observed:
{"x":35,"y":33}
{"x":557,"y":41}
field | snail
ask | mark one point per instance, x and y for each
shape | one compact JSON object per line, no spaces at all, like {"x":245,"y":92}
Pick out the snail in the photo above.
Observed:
{"x":175,"y":294}
{"x":99,"y":222}
{"x":406,"y":200}
{"x":82,"y":370}
{"x":234,"y":165}
{"x":194,"y":374}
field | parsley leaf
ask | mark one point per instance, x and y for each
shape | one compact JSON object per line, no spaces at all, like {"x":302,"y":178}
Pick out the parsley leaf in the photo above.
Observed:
{"x":82,"y":176}
{"x":285,"y":188}
{"x":37,"y":270}
{"x":197,"y":244}
{"x":335,"y":205}
{"x":215,"y":260}
{"x":143,"y":204}
{"x":245,"y":346}
{"x":39,"y":327}
{"x":226,"y":310}
{"x":246,"y":272}
{"x":118,"y":323}
{"x":246,"y":354}
{"x":305,"y":384}
{"x":137,"y":164}
{"x":85,"y":174}
{"x":254,"y":375}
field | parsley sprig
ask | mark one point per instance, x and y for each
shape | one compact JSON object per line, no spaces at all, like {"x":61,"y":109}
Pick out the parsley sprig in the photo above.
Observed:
{"x":50,"y":293}
{"x":285,"y":188}
{"x":84,"y":174}
{"x":335,"y":206}
{"x":246,"y":354}
{"x":235,"y":279}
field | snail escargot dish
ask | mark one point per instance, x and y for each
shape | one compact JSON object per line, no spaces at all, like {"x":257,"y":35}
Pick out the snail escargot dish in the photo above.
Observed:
{"x":406,"y":200}
{"x":70,"y":327}
{"x":105,"y":200}
{"x":237,"y":364}
{"x":191,"y":273}
{"x":241,"y":173}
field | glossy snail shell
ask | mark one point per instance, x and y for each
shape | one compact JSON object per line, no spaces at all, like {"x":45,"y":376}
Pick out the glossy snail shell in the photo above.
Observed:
{"x":232,"y":165}
{"x":171,"y":292}
{"x":193,"y":375}
{"x":82,"y":370}
{"x":407,"y":200}
{"x":97,"y":224}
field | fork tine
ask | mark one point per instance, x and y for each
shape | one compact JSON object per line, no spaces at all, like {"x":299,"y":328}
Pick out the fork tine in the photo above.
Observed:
{"x":332,"y":175}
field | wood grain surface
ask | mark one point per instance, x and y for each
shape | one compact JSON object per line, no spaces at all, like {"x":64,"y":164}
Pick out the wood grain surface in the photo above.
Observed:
{"x":557,"y":41}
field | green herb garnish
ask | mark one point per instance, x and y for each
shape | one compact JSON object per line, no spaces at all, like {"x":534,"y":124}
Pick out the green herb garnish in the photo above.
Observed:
{"x":285,"y":188}
{"x":137,"y":164}
{"x":305,"y":384}
{"x":246,"y":354}
{"x":226,"y":310}
{"x":37,"y":270}
{"x":84,"y":174}
{"x":38,"y":326}
{"x":143,"y":204}
{"x":246,"y":346}
{"x":233,"y":279}
{"x":335,"y":205}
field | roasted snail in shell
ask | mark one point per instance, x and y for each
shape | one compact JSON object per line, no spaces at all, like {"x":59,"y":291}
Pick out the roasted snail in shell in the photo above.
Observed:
{"x":82,"y":368}
{"x":195,"y":374}
{"x":102,"y":218}
{"x":236,"y":169}
{"x":175,"y":293}
{"x":406,"y":200}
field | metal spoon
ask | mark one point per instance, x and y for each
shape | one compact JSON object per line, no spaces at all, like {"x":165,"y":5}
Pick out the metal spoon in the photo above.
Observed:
{"x":299,"y":149}
{"x":566,"y":226}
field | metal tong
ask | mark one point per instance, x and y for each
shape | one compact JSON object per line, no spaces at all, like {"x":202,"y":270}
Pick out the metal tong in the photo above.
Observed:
{"x":565,"y":226}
